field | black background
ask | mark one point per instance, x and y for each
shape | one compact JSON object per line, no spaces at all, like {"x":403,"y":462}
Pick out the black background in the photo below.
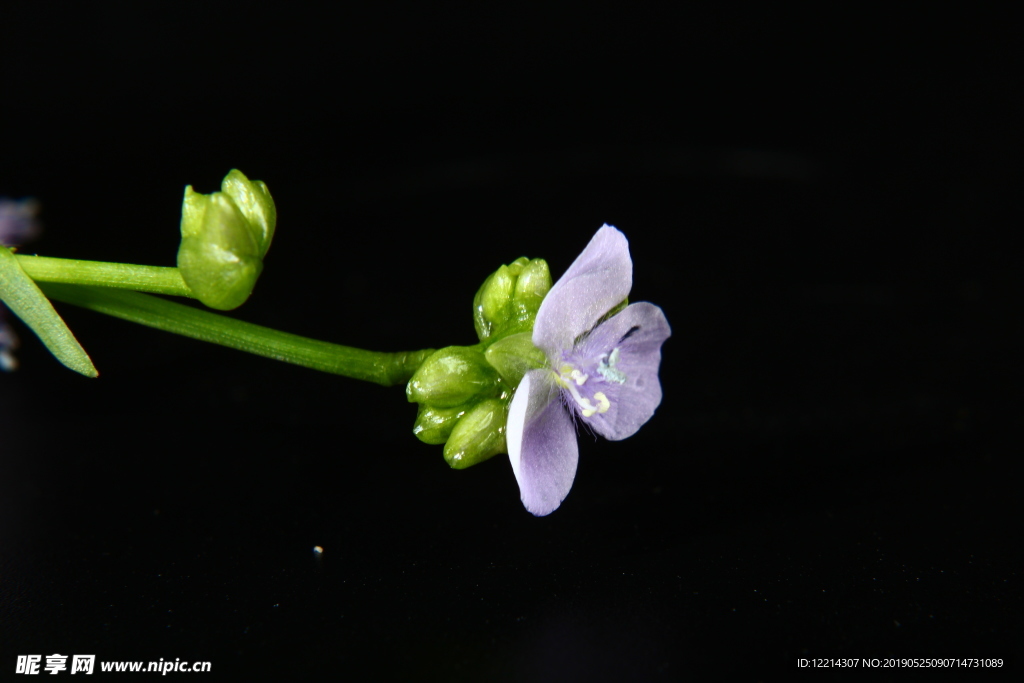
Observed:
{"x":824,"y":206}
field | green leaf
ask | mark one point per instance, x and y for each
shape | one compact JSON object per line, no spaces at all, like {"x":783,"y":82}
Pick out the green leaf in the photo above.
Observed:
{"x":21,"y":294}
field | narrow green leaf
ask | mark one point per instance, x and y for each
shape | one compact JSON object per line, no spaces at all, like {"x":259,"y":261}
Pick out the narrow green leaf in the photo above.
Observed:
{"x":22,"y":296}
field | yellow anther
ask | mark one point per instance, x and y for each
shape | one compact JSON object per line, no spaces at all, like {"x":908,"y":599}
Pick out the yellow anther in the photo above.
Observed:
{"x":569,"y":379}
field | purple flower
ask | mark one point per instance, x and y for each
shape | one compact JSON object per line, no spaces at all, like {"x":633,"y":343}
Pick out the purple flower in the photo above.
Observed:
{"x":18,"y":221}
{"x":603,"y":373}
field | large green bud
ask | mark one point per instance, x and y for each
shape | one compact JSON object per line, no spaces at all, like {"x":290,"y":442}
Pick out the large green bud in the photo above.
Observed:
{"x":453,"y":376}
{"x":224,"y":237}
{"x":478,"y":435}
{"x":510,"y":297}
{"x":434,"y":425}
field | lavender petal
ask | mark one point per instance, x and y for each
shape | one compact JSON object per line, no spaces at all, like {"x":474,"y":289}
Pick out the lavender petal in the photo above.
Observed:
{"x":18,"y":222}
{"x":541,"y":443}
{"x":598,"y":280}
{"x":638,"y":331}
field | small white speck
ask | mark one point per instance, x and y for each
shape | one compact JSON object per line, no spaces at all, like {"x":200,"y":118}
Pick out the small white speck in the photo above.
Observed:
{"x":317,"y":550}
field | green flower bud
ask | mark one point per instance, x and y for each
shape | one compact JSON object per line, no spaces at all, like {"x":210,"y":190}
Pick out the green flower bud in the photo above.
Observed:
{"x":452,"y":376}
{"x":513,"y":356}
{"x":224,"y":236}
{"x":516,"y":267}
{"x":482,"y":325}
{"x":434,"y":425}
{"x":510,"y":297}
{"x":532,"y":286}
{"x":497,"y":294}
{"x":254,"y":201}
{"x":479,"y":435}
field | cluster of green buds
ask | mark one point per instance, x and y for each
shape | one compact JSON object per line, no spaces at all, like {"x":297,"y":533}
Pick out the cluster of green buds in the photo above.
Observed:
{"x":508,"y":300}
{"x":464,"y":392}
{"x":224,"y":237}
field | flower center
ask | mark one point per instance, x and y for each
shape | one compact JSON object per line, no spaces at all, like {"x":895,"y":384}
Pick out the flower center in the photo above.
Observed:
{"x":606,"y":368}
{"x":572,"y":380}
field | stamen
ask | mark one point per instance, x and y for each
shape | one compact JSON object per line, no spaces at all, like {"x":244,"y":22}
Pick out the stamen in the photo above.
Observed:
{"x":588,"y":408}
{"x":606,"y":368}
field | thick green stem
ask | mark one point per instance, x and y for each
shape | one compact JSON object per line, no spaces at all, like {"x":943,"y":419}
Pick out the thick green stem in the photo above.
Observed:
{"x":387,"y":369}
{"x":156,"y":279}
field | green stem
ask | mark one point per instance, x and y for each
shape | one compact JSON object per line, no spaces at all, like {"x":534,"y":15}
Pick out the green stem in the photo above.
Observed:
{"x":156,"y":279}
{"x":387,"y":369}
